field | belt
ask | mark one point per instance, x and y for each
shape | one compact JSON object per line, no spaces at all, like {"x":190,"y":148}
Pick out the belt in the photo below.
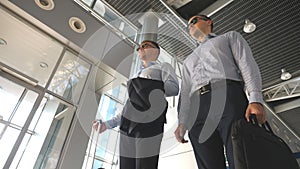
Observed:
{"x":220,"y":83}
{"x":204,"y":89}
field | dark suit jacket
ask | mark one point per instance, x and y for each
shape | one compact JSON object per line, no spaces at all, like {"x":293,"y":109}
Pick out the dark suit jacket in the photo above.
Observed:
{"x":146,"y":103}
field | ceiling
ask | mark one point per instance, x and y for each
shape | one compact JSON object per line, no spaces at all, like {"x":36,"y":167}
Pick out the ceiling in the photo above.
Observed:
{"x":27,"y":49}
{"x":275,"y":43}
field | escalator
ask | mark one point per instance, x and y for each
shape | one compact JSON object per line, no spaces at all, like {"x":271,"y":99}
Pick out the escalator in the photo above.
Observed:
{"x":286,"y":125}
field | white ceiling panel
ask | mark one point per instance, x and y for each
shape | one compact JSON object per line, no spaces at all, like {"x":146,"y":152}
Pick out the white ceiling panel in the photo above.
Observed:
{"x":26,"y":48}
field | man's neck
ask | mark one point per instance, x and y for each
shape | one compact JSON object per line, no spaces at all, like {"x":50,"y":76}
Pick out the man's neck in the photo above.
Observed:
{"x":145,"y":63}
{"x":204,"y":37}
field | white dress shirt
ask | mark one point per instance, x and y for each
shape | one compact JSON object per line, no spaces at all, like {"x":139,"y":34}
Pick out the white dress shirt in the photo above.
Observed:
{"x":227,"y":56}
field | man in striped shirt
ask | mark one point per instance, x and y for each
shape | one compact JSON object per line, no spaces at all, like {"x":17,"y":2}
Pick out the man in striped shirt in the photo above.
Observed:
{"x":212,"y":93}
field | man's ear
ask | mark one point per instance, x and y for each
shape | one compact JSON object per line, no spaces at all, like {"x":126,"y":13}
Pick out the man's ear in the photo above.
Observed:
{"x":209,"y":22}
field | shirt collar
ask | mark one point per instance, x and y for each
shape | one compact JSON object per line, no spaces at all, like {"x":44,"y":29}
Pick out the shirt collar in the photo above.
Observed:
{"x":149,"y":64}
{"x":208,"y":36}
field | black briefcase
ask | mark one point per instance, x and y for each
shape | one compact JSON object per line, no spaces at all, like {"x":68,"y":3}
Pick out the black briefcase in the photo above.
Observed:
{"x":257,"y":147}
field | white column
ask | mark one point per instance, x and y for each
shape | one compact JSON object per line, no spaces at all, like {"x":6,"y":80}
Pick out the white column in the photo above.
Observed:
{"x":150,"y":23}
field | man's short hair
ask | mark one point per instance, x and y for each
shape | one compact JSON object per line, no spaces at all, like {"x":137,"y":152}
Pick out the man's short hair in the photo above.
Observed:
{"x":152,"y":42}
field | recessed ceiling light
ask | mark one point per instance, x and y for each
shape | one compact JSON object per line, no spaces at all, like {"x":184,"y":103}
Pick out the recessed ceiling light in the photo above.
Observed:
{"x":2,"y":42}
{"x":43,"y":65}
{"x":77,"y":25}
{"x":45,"y":4}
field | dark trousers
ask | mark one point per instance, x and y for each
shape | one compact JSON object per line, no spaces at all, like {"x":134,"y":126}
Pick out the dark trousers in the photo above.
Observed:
{"x":209,"y":152}
{"x":140,"y":148}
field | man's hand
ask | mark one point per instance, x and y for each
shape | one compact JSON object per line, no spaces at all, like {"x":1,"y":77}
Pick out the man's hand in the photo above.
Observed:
{"x":96,"y":125}
{"x":179,"y":133}
{"x":258,"y":110}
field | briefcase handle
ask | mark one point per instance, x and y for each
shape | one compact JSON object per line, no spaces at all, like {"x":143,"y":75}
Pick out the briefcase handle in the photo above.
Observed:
{"x":265,"y":125}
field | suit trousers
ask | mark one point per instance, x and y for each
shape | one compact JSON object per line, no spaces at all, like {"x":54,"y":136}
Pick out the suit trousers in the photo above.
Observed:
{"x":140,"y":148}
{"x":211,"y":131}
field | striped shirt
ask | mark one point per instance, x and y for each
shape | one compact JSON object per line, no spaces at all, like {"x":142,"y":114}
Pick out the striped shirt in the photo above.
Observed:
{"x":227,"y":56}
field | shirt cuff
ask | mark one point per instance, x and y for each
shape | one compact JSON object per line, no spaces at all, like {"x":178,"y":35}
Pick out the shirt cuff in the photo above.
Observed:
{"x":109,"y":124}
{"x":256,"y":97}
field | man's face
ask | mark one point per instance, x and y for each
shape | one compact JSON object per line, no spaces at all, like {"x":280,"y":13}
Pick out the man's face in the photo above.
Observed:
{"x":198,"y":26}
{"x":146,"y":50}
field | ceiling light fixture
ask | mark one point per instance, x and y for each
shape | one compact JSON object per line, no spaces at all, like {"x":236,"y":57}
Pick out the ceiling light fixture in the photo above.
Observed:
{"x":45,"y":4}
{"x":43,"y":65}
{"x":249,"y":26}
{"x":285,"y":75}
{"x":77,"y":25}
{"x":2,"y":42}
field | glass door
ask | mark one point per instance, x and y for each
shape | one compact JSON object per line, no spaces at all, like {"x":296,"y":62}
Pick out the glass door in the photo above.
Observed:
{"x":16,"y":104}
{"x":33,"y":125}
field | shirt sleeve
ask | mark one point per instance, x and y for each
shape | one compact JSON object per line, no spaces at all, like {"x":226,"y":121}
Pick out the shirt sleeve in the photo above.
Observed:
{"x":247,"y":66}
{"x":170,"y":80}
{"x":114,"y":122}
{"x":184,"y":102}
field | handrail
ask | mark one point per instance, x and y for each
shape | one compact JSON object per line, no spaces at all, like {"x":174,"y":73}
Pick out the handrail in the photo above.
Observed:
{"x":283,"y":123}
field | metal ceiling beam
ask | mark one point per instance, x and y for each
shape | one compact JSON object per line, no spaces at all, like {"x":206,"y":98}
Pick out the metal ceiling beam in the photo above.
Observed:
{"x":284,"y":90}
{"x":215,"y":7}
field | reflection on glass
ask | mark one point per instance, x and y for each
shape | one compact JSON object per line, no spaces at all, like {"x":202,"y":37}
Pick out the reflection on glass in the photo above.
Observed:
{"x":119,"y":92}
{"x":102,"y":148}
{"x":43,"y":141}
{"x":42,"y":148}
{"x":15,"y":164}
{"x":106,"y":142}
{"x":70,"y":77}
{"x":99,"y":163}
{"x":113,"y":18}
{"x":10,"y":93}
{"x":88,"y":2}
{"x":108,"y":108}
{"x":7,"y":142}
{"x":100,"y":8}
{"x":16,"y":103}
{"x":20,"y":116}
{"x":38,"y":114}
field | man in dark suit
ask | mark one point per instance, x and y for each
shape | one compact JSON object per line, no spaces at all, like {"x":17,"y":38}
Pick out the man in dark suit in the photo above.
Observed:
{"x":144,"y":114}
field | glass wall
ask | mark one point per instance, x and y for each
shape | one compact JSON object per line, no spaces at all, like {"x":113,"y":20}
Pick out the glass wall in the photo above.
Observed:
{"x":16,"y":103}
{"x":112,"y":17}
{"x":35,"y":120}
{"x":42,"y":147}
{"x":70,"y":77}
{"x":103,"y":148}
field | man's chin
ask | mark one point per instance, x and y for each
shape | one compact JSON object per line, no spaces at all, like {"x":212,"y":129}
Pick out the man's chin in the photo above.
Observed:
{"x":142,"y":57}
{"x":197,"y":34}
{"x":195,"y":37}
